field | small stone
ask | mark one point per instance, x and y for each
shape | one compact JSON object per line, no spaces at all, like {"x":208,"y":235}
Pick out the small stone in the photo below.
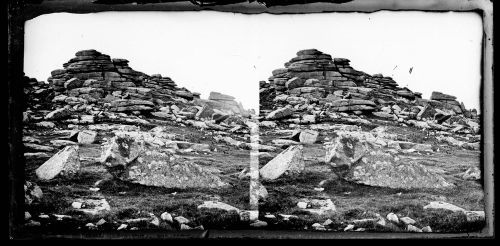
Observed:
{"x":327,"y":222}
{"x":155,"y":221}
{"x":122,"y":227}
{"x":381,"y":222}
{"x":318,"y":226}
{"x":43,"y":216}
{"x":46,"y":124}
{"x":349,"y":227}
{"x":269,"y":216}
{"x":101,"y":222}
{"x":473,"y":216}
{"x":408,"y":221}
{"x":412,"y":228}
{"x":392,"y":218}
{"x":185,"y":227}
{"x":426,"y":229}
{"x":166,"y":217}
{"x":90,"y":226}
{"x":33,"y":223}
{"x":76,"y":205}
{"x":249,"y":215}
{"x":27,"y":215}
{"x":302,"y":205}
{"x":181,"y":220}
{"x":258,"y":224}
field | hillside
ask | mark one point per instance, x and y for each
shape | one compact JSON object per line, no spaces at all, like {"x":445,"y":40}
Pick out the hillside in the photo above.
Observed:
{"x":110,"y":148}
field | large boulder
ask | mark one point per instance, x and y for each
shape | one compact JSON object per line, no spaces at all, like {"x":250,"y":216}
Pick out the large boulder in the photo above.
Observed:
{"x":290,"y":162}
{"x":363,"y":162}
{"x":66,"y":162}
{"x":131,"y":157}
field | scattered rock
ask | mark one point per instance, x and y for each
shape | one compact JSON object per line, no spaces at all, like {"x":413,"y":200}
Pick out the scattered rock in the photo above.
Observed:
{"x":181,"y":220}
{"x":472,"y":173}
{"x":392,"y":218}
{"x":308,"y":136}
{"x":349,"y":227}
{"x":64,"y":163}
{"x":166,"y":217}
{"x":289,"y":161}
{"x":87,"y":137}
{"x":408,"y":220}
{"x":443,"y":205}
{"x":473,"y":216}
{"x":217,"y":205}
{"x":258,"y":224}
{"x":412,"y":228}
{"x":426,"y":229}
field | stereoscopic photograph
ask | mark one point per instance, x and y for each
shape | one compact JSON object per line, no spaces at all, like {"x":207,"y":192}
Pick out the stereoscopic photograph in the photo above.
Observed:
{"x":336,"y":123}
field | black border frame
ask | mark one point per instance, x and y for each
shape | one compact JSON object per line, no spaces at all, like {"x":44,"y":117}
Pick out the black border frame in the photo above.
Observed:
{"x":21,"y":10}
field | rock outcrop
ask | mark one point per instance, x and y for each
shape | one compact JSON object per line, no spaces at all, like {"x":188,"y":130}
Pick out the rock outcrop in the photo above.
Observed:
{"x":314,"y":83}
{"x":220,"y":104}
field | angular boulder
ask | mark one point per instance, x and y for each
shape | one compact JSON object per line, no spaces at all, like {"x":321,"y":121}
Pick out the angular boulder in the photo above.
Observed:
{"x":290,"y":161}
{"x":308,"y":136}
{"x":66,"y":162}
{"x":131,"y":158}
{"x":86,"y":137}
{"x":363,"y":162}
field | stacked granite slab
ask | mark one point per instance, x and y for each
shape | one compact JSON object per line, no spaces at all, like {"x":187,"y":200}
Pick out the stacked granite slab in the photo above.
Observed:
{"x":38,"y":94}
{"x":448,"y":102}
{"x":314,"y":75}
{"x":222,"y":103}
{"x":93,"y":77}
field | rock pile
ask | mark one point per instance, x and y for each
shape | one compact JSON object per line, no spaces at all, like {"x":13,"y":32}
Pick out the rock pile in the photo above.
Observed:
{"x":93,"y":77}
{"x":314,"y":87}
{"x":94,"y":90}
{"x":314,"y":79}
{"x":220,"y":104}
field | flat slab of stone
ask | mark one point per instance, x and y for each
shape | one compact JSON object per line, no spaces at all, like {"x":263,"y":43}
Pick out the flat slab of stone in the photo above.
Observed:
{"x":66,"y":162}
{"x":218,"y":205}
{"x":289,"y":161}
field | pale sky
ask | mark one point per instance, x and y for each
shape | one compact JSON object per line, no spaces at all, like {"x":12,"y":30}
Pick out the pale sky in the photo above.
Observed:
{"x":230,"y":53}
